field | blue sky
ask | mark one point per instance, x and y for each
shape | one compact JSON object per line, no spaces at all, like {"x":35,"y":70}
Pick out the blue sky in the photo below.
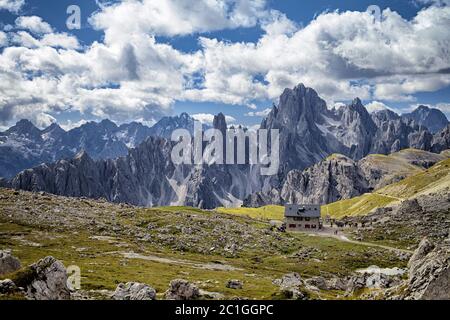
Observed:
{"x":126,"y":64}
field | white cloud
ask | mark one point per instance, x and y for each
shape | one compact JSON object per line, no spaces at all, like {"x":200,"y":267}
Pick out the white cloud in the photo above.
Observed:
{"x":262,"y":113}
{"x":34,"y":24}
{"x":3,"y":39}
{"x":338,"y":105}
{"x":176,"y":17}
{"x":62,"y":40}
{"x":435,"y":2}
{"x":69,"y":125}
{"x":209,"y":118}
{"x":12,"y":5}
{"x":43,"y":120}
{"x":331,"y":53}
{"x":375,"y":106}
{"x":130,"y":75}
{"x":444,"y":107}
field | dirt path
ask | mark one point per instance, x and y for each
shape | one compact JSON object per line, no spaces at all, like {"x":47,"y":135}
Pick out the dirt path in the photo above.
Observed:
{"x":328,"y":232}
{"x":196,"y":265}
{"x":385,"y":195}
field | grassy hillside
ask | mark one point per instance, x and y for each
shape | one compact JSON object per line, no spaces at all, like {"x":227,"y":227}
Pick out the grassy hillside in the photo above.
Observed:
{"x":120,"y":243}
{"x":265,"y":213}
{"x":435,"y":179}
{"x":399,"y":165}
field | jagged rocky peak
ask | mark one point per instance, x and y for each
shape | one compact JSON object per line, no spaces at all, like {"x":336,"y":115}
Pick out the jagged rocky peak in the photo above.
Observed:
{"x":108,"y":125}
{"x":82,"y":156}
{"x":220,"y":122}
{"x":384,"y":115}
{"x":54,"y":127}
{"x":54,"y":131}
{"x":357,"y":113}
{"x":441,"y":140}
{"x":24,"y":127}
{"x":434,"y":119}
{"x":298,"y":105}
{"x":165,"y":126}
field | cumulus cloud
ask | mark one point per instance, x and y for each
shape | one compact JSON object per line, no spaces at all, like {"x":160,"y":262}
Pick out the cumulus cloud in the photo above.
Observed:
{"x":3,"y":39}
{"x":209,"y":118}
{"x":69,"y":124}
{"x":262,"y":113}
{"x":130,"y":75}
{"x":34,"y":24}
{"x":394,"y":57}
{"x":434,"y":2}
{"x":12,"y":5}
{"x":375,"y":106}
{"x":176,"y":17}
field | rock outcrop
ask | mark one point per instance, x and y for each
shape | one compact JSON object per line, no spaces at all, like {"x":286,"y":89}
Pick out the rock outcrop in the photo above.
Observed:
{"x":43,"y":280}
{"x":292,"y":286}
{"x":441,"y":140}
{"x":7,"y":286}
{"x":235,"y":284}
{"x":429,"y":273}
{"x":309,"y":133}
{"x":8,"y":263}
{"x":134,"y":291}
{"x":434,"y":119}
{"x":339,"y":177}
{"x":182,"y":290}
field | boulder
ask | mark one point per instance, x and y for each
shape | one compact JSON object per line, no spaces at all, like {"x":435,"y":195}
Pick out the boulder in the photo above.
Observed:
{"x":234,"y":284}
{"x":8,"y":263}
{"x":336,"y":284}
{"x":43,"y":280}
{"x":134,"y":291}
{"x":289,"y":280}
{"x":292,"y":286}
{"x":7,"y":286}
{"x":371,"y":281}
{"x":424,"y":248}
{"x":318,"y":282}
{"x":182,"y":290}
{"x":429,"y":273}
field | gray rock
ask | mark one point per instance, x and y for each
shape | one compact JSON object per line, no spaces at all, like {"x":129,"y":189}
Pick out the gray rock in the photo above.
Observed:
{"x":8,"y":263}
{"x":292,"y":286}
{"x":441,"y":140}
{"x":434,"y":119}
{"x":336,"y":284}
{"x":7,"y":286}
{"x":146,"y":176}
{"x":318,"y":282}
{"x":134,"y":291}
{"x":47,"y":280}
{"x":182,"y":290}
{"x":429,"y":273}
{"x":234,"y":284}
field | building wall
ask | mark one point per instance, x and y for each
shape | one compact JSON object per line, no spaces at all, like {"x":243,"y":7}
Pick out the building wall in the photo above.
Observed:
{"x":305,"y":224}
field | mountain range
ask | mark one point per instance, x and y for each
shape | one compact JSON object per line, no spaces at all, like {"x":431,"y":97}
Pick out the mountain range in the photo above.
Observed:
{"x":24,"y":146}
{"x":309,"y":133}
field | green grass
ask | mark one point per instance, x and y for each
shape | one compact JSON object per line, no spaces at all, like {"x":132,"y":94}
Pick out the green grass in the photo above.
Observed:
{"x":426,"y":181}
{"x":356,"y":206}
{"x":270,"y":212}
{"x":103,"y":267}
{"x":435,"y":178}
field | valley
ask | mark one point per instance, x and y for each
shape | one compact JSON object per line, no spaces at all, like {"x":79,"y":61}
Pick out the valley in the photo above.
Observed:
{"x":116,"y":243}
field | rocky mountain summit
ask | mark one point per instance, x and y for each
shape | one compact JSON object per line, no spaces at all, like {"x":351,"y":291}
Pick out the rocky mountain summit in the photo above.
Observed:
{"x":431,"y":118}
{"x":339,"y":177}
{"x":24,"y":146}
{"x":309,"y":133}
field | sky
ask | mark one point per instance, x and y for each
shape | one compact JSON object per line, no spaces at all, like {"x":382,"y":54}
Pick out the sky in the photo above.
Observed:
{"x":140,"y":60}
